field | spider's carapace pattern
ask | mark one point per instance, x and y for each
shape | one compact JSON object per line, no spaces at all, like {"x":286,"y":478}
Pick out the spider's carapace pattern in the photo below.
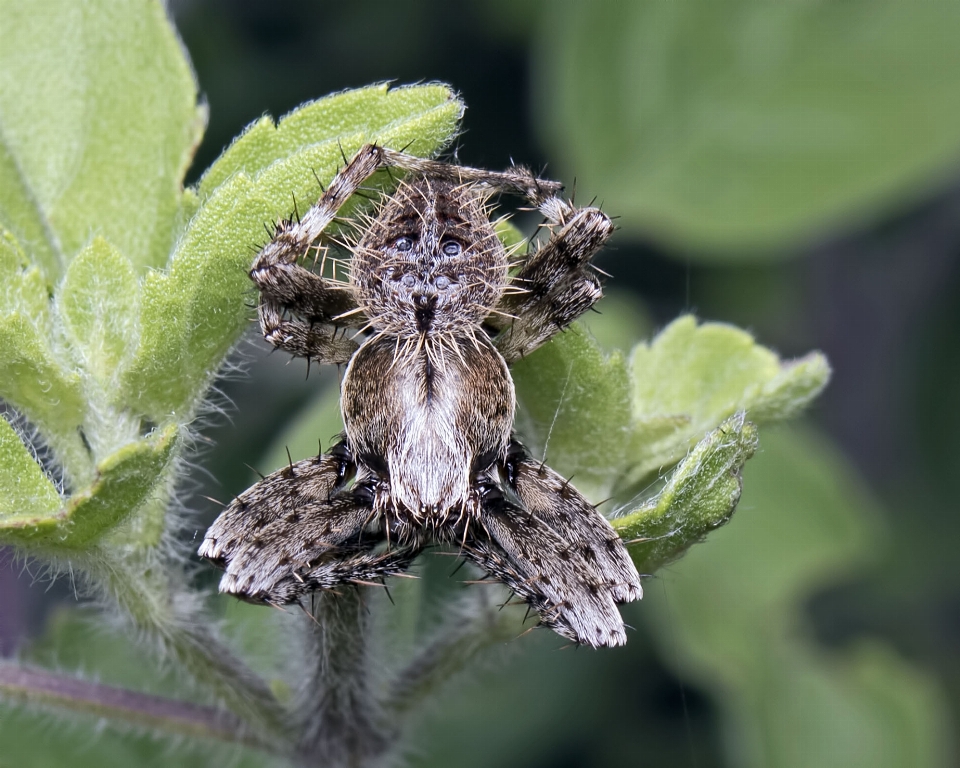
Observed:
{"x":428,"y":454}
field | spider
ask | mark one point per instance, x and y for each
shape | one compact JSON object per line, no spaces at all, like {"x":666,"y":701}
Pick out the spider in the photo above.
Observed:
{"x":428,"y":454}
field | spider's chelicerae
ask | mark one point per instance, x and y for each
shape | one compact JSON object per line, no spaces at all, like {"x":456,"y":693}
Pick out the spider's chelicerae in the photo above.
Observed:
{"x":428,"y":454}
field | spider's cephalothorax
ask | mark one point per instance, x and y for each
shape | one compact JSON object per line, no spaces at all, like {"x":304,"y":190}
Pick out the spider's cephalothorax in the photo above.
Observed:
{"x":428,"y":453}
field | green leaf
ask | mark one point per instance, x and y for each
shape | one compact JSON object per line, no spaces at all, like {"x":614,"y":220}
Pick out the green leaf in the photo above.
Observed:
{"x":84,"y":146}
{"x":34,"y":382}
{"x":735,"y":623}
{"x":195,"y":312}
{"x":22,"y":286}
{"x":98,"y":304}
{"x":699,"y":496}
{"x":691,"y":377}
{"x":26,"y":493}
{"x":373,"y":110}
{"x":123,"y":483}
{"x":740,"y":128}
{"x":575,"y":409}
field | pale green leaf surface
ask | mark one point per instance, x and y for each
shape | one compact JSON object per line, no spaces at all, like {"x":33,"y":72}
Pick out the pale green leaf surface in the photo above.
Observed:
{"x":84,"y":146}
{"x":98,"y":304}
{"x":734,"y":623}
{"x":699,"y":496}
{"x":194,"y":313}
{"x":26,"y":493}
{"x":740,"y":128}
{"x":23,"y":288}
{"x":124,"y":480}
{"x":33,"y":381}
{"x":574,"y":404}
{"x":21,"y":213}
{"x":691,"y":377}
{"x":373,"y":110}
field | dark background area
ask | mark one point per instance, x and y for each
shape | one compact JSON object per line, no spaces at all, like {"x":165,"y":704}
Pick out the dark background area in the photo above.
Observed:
{"x":881,"y":299}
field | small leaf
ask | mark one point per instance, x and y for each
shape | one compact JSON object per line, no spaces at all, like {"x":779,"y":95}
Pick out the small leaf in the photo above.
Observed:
{"x":26,"y":493}
{"x":23,"y":288}
{"x":373,"y":110}
{"x":575,"y":409}
{"x":690,"y":378}
{"x":195,"y":312}
{"x":700,"y":495}
{"x":98,"y":305}
{"x":737,"y":127}
{"x":34,"y":382}
{"x":124,"y":481}
{"x":84,"y":145}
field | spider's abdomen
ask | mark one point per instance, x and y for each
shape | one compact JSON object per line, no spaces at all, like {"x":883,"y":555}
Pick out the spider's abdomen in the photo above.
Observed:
{"x":422,"y":414}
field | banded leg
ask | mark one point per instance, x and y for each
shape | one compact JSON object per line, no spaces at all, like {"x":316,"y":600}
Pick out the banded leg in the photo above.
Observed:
{"x":539,"y":563}
{"x":556,"y":281}
{"x":286,"y":286}
{"x":552,"y":499}
{"x":296,"y":531}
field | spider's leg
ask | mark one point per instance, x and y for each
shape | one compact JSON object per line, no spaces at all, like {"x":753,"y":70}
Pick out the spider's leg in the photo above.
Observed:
{"x":552,"y":498}
{"x":516,"y":180}
{"x":556,"y":283}
{"x":323,"y":343}
{"x":297,"y":531}
{"x":557,"y":552}
{"x":532,"y":558}
{"x":287,"y":287}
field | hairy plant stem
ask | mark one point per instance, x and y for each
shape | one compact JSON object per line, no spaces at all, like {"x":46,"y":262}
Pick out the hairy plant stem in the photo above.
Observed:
{"x":47,"y":690}
{"x":343,"y":721}
{"x":170,"y":616}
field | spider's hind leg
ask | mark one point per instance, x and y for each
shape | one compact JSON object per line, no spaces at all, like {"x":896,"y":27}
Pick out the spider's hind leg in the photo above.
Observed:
{"x":296,"y":531}
{"x":555,"y":550}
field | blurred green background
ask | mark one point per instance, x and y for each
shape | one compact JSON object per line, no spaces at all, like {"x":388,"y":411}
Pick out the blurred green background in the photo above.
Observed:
{"x":788,"y":167}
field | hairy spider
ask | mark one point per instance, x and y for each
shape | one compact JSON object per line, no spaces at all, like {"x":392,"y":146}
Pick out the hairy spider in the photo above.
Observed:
{"x":428,"y":402}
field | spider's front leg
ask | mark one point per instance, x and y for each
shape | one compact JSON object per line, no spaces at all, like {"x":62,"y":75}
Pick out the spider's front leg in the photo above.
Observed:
{"x":555,"y":550}
{"x":556,"y":284}
{"x":286,"y":287}
{"x":297,"y":531}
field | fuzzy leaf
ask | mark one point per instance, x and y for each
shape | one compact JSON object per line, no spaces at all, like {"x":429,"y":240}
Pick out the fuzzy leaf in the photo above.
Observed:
{"x":374,"y":110}
{"x":195,"y":312}
{"x":735,"y":623}
{"x":699,"y":496}
{"x":33,"y":381}
{"x":98,"y":305}
{"x":85,"y":147}
{"x":575,"y":409}
{"x":124,"y":481}
{"x":26,"y":493}
{"x":737,"y":127}
{"x":22,"y":286}
{"x":690,"y":378}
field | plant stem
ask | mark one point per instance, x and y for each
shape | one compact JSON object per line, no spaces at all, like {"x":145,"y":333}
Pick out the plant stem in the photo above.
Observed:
{"x":343,"y":722}
{"x":50,"y":690}
{"x":173,"y":618}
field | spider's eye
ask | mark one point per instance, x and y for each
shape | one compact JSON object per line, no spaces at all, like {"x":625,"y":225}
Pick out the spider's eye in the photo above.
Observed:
{"x":403,"y":243}
{"x":409,"y":280}
{"x":451,"y":248}
{"x":442,"y":283}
